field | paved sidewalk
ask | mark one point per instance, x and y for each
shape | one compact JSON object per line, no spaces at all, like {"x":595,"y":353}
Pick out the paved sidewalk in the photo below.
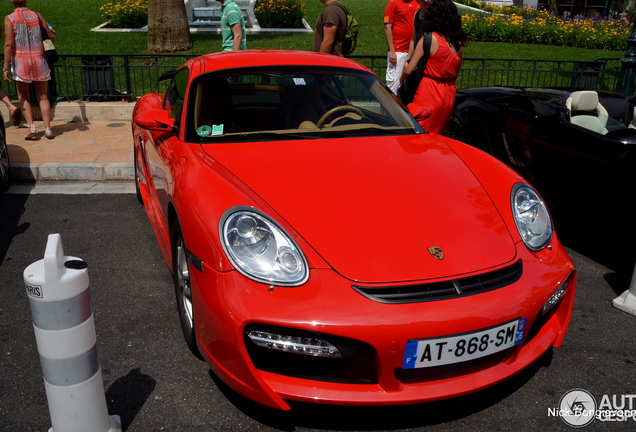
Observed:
{"x":82,"y":150}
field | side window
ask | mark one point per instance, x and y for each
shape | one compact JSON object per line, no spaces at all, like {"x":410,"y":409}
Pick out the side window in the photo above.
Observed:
{"x":175,"y":95}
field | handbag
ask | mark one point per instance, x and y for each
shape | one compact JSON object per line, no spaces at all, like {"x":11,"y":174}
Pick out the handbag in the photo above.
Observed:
{"x":409,"y":86}
{"x":49,"y":48}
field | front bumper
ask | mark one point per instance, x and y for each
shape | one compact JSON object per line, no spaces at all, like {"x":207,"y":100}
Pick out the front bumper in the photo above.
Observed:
{"x":327,"y":305}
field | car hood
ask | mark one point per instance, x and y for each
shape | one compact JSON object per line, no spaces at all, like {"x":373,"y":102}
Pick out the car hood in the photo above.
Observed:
{"x":372,"y":207}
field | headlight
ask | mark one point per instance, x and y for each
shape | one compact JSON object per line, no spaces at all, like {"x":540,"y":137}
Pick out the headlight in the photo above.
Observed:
{"x":532,"y":217}
{"x":260,"y":249}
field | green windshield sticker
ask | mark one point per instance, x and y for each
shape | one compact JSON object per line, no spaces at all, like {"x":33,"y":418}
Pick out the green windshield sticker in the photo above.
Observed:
{"x":217,"y":129}
{"x":204,"y":131}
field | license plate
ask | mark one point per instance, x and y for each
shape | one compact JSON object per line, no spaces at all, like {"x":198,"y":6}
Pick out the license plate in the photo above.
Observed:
{"x":455,"y":349}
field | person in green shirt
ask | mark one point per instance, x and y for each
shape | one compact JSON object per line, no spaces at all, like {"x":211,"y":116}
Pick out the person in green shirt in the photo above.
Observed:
{"x":232,"y":26}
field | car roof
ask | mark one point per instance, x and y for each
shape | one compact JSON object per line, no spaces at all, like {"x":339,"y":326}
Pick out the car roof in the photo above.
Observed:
{"x":249,"y":58}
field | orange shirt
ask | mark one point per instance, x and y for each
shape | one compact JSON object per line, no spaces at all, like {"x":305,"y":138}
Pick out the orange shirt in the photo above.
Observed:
{"x":400,"y":13}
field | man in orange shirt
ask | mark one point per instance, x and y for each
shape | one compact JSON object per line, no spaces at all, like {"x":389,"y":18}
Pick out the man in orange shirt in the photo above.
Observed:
{"x":398,"y":26}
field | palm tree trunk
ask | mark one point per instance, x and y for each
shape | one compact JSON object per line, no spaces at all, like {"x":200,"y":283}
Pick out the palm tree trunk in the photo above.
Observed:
{"x":168,"y":28}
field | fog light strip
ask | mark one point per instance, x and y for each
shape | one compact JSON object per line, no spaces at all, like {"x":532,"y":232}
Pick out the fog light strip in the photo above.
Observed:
{"x":294,"y":344}
{"x":555,"y":297}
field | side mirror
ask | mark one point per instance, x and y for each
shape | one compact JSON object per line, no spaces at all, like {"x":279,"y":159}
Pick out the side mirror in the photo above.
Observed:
{"x":155,"y":120}
{"x":420,"y":112}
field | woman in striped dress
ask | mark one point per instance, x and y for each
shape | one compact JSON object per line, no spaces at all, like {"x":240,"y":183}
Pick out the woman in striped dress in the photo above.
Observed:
{"x":23,"y":48}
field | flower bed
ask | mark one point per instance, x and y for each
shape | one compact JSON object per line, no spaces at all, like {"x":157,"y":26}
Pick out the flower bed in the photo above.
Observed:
{"x":280,"y":13}
{"x":126,"y":13}
{"x":526,"y":25}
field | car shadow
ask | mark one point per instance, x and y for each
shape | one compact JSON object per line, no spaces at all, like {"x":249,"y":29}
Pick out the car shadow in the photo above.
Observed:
{"x":12,"y":206}
{"x":356,"y":418}
{"x":617,"y":254}
{"x":11,"y":210}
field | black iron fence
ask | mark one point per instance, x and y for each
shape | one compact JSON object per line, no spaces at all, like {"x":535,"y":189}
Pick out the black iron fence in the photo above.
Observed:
{"x":126,"y":77}
{"x":104,"y":78}
{"x":600,"y":74}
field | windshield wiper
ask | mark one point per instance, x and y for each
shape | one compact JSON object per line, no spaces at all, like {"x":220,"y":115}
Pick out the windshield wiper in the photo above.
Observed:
{"x":310,"y":134}
{"x":373,"y":131}
{"x":270,"y":135}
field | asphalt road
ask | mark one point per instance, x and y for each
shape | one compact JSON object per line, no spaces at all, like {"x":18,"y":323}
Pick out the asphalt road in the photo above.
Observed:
{"x":153,"y":382}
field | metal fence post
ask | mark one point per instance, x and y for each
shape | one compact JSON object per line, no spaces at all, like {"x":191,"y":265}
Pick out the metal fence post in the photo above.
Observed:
{"x":127,"y":74}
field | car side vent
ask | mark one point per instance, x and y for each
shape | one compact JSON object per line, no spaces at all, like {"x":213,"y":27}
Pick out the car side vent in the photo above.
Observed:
{"x":443,"y":290}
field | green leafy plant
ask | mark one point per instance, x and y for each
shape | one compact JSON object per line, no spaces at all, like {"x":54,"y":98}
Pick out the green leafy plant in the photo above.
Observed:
{"x":280,"y":13}
{"x":126,"y":13}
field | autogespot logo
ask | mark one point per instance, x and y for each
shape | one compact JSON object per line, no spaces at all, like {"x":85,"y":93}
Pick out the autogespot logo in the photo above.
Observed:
{"x":577,"y":408}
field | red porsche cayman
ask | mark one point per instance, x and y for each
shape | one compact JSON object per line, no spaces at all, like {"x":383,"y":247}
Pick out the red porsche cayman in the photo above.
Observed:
{"x":326,"y":249}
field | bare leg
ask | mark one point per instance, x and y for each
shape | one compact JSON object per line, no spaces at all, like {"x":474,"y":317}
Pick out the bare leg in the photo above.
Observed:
{"x":41,"y":90}
{"x":25,"y":105}
{"x":5,"y":99}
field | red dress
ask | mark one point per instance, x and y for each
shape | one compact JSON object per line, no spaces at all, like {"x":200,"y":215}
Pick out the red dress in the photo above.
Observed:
{"x":436,"y":91}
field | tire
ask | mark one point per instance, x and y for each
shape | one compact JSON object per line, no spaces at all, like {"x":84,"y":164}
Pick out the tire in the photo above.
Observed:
{"x":137,"y":190}
{"x":5,"y":179}
{"x":183,"y":289}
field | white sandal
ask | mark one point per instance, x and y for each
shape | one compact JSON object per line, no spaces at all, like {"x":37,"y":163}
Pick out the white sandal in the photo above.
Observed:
{"x":48,"y":133}
{"x":32,"y":132}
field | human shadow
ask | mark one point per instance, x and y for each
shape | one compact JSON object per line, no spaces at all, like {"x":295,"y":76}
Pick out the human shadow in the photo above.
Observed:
{"x":377,"y":418}
{"x":76,"y":124}
{"x":127,"y":395}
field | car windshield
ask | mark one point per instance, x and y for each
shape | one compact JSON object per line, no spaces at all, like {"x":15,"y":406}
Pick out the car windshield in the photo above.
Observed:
{"x":293,"y":103}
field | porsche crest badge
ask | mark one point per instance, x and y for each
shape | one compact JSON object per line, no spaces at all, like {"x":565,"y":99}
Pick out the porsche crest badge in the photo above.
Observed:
{"x":436,"y":252}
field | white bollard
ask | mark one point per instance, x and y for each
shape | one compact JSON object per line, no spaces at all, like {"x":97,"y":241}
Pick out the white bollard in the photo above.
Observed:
{"x":57,"y":288}
{"x":627,"y":301}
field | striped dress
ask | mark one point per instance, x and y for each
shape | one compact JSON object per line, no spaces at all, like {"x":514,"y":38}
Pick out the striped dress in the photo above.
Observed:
{"x":29,"y":60}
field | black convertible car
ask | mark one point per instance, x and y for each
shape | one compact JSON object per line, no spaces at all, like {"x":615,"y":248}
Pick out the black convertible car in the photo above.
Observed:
{"x":578,"y":148}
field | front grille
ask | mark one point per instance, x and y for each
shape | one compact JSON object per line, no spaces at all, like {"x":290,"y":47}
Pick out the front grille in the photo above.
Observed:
{"x":444,"y":290}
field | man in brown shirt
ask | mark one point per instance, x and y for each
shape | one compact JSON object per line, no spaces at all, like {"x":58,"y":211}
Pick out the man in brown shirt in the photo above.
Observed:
{"x":331,"y":26}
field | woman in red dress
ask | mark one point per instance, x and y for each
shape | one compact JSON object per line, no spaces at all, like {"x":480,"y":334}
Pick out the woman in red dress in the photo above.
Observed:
{"x":434,"y":99}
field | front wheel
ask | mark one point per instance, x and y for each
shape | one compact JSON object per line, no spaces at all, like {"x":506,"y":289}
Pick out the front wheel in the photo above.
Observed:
{"x":137,"y":189}
{"x":183,"y":288}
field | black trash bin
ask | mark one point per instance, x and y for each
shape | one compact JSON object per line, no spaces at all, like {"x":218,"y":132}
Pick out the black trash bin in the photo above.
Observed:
{"x":98,"y":77}
{"x":586,"y":75}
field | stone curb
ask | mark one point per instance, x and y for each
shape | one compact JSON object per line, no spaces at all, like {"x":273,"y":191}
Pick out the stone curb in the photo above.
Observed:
{"x":73,"y":172}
